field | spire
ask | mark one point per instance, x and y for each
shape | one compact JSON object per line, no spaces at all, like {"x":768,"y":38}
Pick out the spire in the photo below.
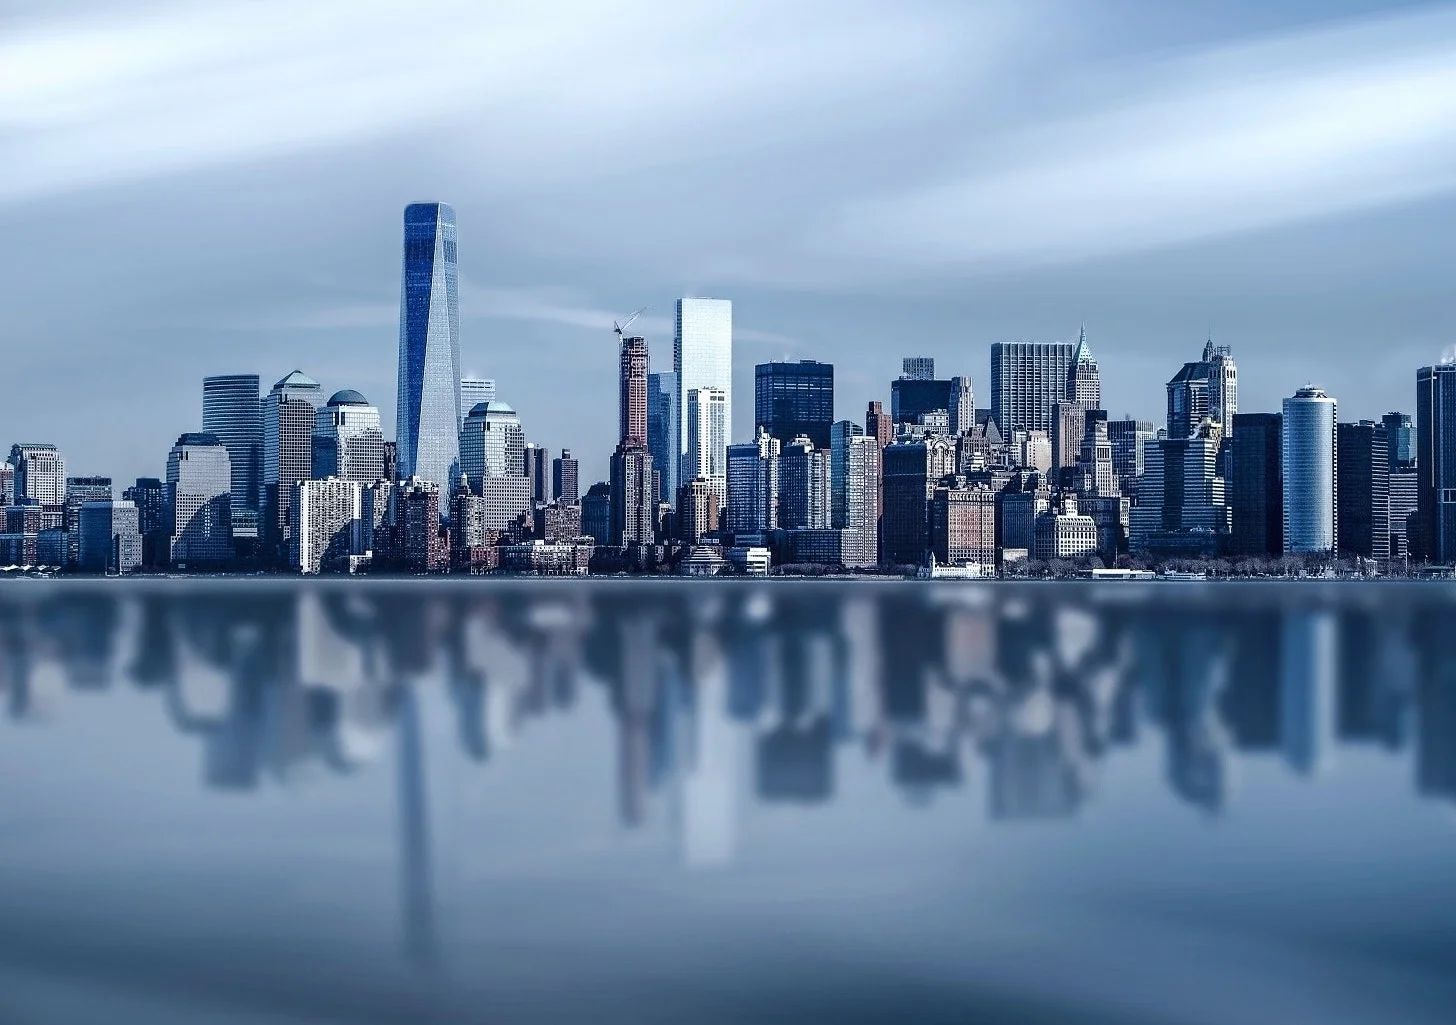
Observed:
{"x":1208,"y":350}
{"x":1084,"y":352}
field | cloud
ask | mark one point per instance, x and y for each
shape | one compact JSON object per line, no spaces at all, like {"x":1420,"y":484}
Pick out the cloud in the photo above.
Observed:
{"x":1230,"y":140}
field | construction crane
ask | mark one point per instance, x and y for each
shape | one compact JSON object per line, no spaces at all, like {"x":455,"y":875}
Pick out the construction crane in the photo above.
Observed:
{"x":619,"y":328}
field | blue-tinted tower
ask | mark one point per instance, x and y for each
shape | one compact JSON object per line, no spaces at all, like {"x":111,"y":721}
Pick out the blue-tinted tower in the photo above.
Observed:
{"x":663,"y":429}
{"x":428,"y":421}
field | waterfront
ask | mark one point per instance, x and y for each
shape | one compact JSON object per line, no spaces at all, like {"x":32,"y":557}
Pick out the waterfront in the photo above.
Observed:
{"x":269,"y":800}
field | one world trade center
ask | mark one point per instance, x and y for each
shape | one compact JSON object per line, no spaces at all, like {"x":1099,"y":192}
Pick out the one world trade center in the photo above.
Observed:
{"x":427,"y":424}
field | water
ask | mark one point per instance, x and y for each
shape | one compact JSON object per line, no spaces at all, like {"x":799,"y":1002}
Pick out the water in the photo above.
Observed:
{"x":249,"y":801}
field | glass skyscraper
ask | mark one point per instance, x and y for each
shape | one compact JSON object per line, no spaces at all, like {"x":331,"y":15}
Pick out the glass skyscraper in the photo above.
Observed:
{"x":791,"y":399}
{"x":428,"y":421}
{"x":347,"y":439}
{"x":702,"y":357}
{"x":231,"y":410}
{"x":663,"y":430}
{"x":1308,"y":460}
{"x":1436,"y":462}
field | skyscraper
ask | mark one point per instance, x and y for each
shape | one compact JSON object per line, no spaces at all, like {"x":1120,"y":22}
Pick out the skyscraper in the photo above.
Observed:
{"x":289,"y":414}
{"x":918,"y":368}
{"x":632,"y":391}
{"x":475,"y":390}
{"x":697,"y":510}
{"x":1256,"y":485}
{"x":634,"y":493}
{"x":80,"y":491}
{"x":1182,"y":500}
{"x":702,"y":357}
{"x":1362,"y":508}
{"x":492,"y":444}
{"x":535,"y":465}
{"x":664,"y":429}
{"x":962,"y":411}
{"x":149,"y":495}
{"x":1400,"y":441}
{"x":199,"y":502}
{"x":839,"y":436}
{"x":791,"y":399}
{"x":1436,"y":463}
{"x":1308,"y":456}
{"x":1027,"y":380}
{"x":1128,"y":438}
{"x":912,"y":470}
{"x":1085,"y":386}
{"x":231,"y":410}
{"x":40,"y":473}
{"x":428,"y":414}
{"x":753,"y":484}
{"x":331,"y":524}
{"x":347,"y":439}
{"x":707,"y":414}
{"x":110,"y":541}
{"x":858,"y":500}
{"x":803,"y":486}
{"x":1069,"y":425}
{"x":565,"y":477}
{"x":1208,"y":387}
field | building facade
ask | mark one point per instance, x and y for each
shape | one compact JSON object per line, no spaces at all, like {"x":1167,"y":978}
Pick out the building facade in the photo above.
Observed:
{"x":348,"y":441}
{"x":199,"y":502}
{"x":803,"y":486}
{"x":1027,"y":380}
{"x":1400,"y":441}
{"x":753,"y":485}
{"x":565,"y":478}
{"x":912,"y":471}
{"x":1256,"y":485}
{"x":1206,"y":388}
{"x":474,"y":391}
{"x":707,"y":414}
{"x":963,"y":525}
{"x":427,"y":410}
{"x":664,"y":428}
{"x":632,"y":391}
{"x":110,"y":537}
{"x":1309,"y":461}
{"x":232,"y":410}
{"x":1362,"y":473}
{"x":1182,"y":504}
{"x":492,"y":444}
{"x":697,"y":510}
{"x":702,"y":357}
{"x":331,"y":524}
{"x":1128,"y":438}
{"x":1085,"y":386}
{"x":793,"y":399}
{"x":1436,"y":463}
{"x":289,"y":415}
{"x":40,"y":473}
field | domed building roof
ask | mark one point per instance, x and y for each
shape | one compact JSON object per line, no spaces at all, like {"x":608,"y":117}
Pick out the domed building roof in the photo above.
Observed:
{"x":348,"y":397}
{"x":482,"y":408}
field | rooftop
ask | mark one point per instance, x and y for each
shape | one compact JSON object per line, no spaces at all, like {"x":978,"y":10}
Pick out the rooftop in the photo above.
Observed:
{"x":347,"y":397}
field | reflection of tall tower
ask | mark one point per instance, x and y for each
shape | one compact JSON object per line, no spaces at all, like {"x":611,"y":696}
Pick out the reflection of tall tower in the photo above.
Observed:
{"x":1307,"y":689}
{"x":638,"y":696}
{"x":708,"y":812}
{"x":1436,"y":689}
{"x":417,"y":883}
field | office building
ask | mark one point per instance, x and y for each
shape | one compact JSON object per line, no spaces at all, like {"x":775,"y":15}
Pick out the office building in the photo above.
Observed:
{"x":915,"y":401}
{"x":1256,"y":485}
{"x":962,"y":411}
{"x":232,"y":410}
{"x":917,"y":368}
{"x":428,"y":414}
{"x":535,"y":465}
{"x":565,"y":477}
{"x":912,"y":469}
{"x":1182,"y":505}
{"x":1032,"y":450}
{"x":492,"y":444}
{"x":1404,"y":503}
{"x":7,"y":484}
{"x":40,"y":473}
{"x":839,"y":439}
{"x":391,"y":461}
{"x":881,"y":427}
{"x":697,"y":510}
{"x":707,"y":416}
{"x":149,"y":495}
{"x":1027,"y":380}
{"x":110,"y":537}
{"x":596,"y":513}
{"x":79,"y":491}
{"x":474,"y":391}
{"x":1400,"y":441}
{"x":1093,"y":474}
{"x":1128,"y":438}
{"x":1309,"y":460}
{"x":559,"y":521}
{"x":505,"y":501}
{"x":1206,"y":388}
{"x":289,"y":414}
{"x":1069,"y":425}
{"x":1085,"y":386}
{"x":1064,"y":532}
{"x":1018,"y":504}
{"x":1362,"y":475}
{"x":793,"y":399}
{"x":1436,"y":463}
{"x":963,"y":525}
{"x":632,"y":391}
{"x":702,"y":357}
{"x":857,"y":500}
{"x":803,"y":486}
{"x":1112,"y":516}
{"x":753,"y":485}
{"x":199,"y":502}
{"x":348,"y":441}
{"x":422,"y":545}
{"x":634,"y":498}
{"x":331,"y":524}
{"x":664,"y":429}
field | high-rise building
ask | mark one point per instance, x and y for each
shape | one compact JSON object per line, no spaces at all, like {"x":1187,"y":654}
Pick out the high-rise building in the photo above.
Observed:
{"x":149,"y":495}
{"x":1027,"y":380}
{"x":803,"y":486}
{"x":839,"y":436}
{"x":331,"y":524}
{"x":1256,"y":485}
{"x":1436,"y":463}
{"x":1128,"y":438}
{"x":1208,"y":387}
{"x":391,"y":461}
{"x":1094,"y":476}
{"x":664,"y":429}
{"x":1085,"y":386}
{"x":1404,"y":503}
{"x":1069,"y":426}
{"x":962,"y":411}
{"x":110,"y":541}
{"x":793,"y":399}
{"x":565,"y":477}
{"x":289,"y":414}
{"x":963,"y":525}
{"x":918,"y":368}
{"x":492,"y":444}
{"x":1309,"y":459}
{"x":596,"y":512}
{"x":707,"y":415}
{"x":1362,"y":506}
{"x":40,"y":473}
{"x":632,"y":392}
{"x":347,"y":440}
{"x":633,"y":496}
{"x":79,"y":491}
{"x":422,"y":548}
{"x":1182,"y":504}
{"x":912,"y":469}
{"x":879,"y":425}
{"x":428,"y":414}
{"x":914,"y":401}
{"x":1400,"y":441}
{"x":7,"y":484}
{"x":858,"y":501}
{"x":199,"y":502}
{"x":535,"y":463}
{"x":697,"y":510}
{"x":474,"y":391}
{"x":232,"y":410}
{"x":702,"y":357}
{"x":753,"y":485}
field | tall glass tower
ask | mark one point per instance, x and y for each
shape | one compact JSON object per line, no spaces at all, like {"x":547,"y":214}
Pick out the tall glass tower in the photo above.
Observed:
{"x":702,"y":357}
{"x":1308,"y":457}
{"x":428,"y":422}
{"x":231,"y":410}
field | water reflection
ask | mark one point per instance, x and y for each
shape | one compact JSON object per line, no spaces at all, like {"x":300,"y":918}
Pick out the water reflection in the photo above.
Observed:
{"x":1024,"y":693}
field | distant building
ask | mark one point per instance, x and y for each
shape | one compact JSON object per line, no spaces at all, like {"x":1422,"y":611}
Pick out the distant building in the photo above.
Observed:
{"x":475,"y":390}
{"x":664,"y":431}
{"x":1362,"y":508}
{"x":559,"y":521}
{"x":40,"y":473}
{"x":753,"y":485}
{"x":536,"y":466}
{"x":1256,"y":485}
{"x":912,"y":400}
{"x":702,"y":357}
{"x":1436,"y":463}
{"x":565,"y":477}
{"x":1309,"y":460}
{"x":232,"y":410}
{"x":7,"y":484}
{"x":289,"y":413}
{"x":79,"y":491}
{"x":199,"y":503}
{"x":917,"y":368}
{"x":793,"y":399}
{"x":854,"y":485}
{"x":149,"y":495}
{"x":110,"y":538}
{"x":427,"y":406}
{"x":1207,"y":388}
{"x":596,"y":513}
{"x":803,"y":486}
{"x":963,"y":525}
{"x":1400,"y":436}
{"x":331,"y":524}
{"x":422,"y":546}
{"x":1027,"y":380}
{"x":912,"y":470}
{"x":492,"y":444}
{"x":348,"y":441}
{"x":633,"y":496}
{"x":1069,"y":425}
{"x":1085,"y":385}
{"x":1404,"y":502}
{"x":1182,"y":504}
{"x":391,"y":461}
{"x":707,"y":457}
{"x":697,"y":510}
{"x":1128,"y":438}
{"x":1065,"y":533}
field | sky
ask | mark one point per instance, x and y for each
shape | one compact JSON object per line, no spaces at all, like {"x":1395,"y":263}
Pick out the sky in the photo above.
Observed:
{"x":198,"y":188}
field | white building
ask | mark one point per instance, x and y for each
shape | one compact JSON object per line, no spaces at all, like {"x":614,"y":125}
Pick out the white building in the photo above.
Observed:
{"x":1308,"y":457}
{"x":492,"y":443}
{"x":707,"y":458}
{"x":199,"y":502}
{"x":702,"y":357}
{"x":333,"y":523}
{"x":40,"y":473}
{"x":348,"y":441}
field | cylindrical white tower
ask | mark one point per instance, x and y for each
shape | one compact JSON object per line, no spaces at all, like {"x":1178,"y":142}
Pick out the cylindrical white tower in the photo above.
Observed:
{"x":1308,"y":455}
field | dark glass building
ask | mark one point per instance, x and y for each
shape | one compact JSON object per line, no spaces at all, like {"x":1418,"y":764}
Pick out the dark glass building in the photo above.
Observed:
{"x":1256,"y":485}
{"x":1436,"y":463}
{"x":1363,"y":498}
{"x":793,"y":399}
{"x":664,"y":429}
{"x":427,"y":430}
{"x":1400,"y":441}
